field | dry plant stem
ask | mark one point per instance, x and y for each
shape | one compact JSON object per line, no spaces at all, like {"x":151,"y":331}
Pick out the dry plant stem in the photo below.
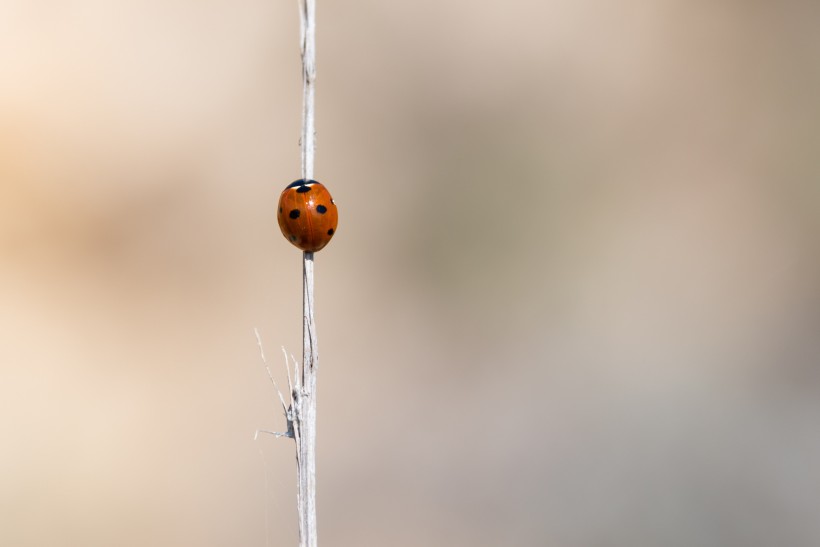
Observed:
{"x":305,"y":426}
{"x":307,"y":16}
{"x":305,"y":398}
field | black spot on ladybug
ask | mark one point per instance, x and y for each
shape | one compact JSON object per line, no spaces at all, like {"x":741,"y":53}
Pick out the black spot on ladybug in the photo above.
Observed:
{"x":293,"y":238}
{"x":294,"y":213}
{"x":322,"y":209}
{"x":303,"y":189}
{"x":330,"y":232}
{"x":280,"y":209}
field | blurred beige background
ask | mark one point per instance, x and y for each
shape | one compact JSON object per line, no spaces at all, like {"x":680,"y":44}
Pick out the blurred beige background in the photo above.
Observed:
{"x":573,"y":300}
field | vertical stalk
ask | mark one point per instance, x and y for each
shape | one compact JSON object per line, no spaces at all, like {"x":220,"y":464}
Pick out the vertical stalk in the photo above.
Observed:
{"x":307,"y":17}
{"x":306,"y":440}
{"x":305,"y":427}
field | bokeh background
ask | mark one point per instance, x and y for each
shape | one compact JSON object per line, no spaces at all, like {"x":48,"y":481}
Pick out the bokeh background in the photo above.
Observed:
{"x":572,"y":302}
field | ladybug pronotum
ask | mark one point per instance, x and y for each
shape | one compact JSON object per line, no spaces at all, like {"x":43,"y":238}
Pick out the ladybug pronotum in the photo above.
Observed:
{"x":307,"y":215}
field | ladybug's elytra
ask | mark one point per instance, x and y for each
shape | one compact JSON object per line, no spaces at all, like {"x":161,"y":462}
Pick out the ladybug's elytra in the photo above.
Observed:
{"x":307,"y":215}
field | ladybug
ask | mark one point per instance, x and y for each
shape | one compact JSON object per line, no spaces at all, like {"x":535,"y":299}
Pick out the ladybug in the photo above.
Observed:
{"x":307,"y":215}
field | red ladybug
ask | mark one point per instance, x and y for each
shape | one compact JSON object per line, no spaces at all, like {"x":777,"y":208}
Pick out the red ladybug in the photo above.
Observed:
{"x":307,"y":215}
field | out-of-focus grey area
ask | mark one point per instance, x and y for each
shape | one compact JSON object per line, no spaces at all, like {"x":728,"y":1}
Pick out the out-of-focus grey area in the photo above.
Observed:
{"x":572,"y":302}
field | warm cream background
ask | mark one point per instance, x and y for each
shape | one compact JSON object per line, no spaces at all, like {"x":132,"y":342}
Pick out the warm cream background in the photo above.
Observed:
{"x":573,"y":300}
